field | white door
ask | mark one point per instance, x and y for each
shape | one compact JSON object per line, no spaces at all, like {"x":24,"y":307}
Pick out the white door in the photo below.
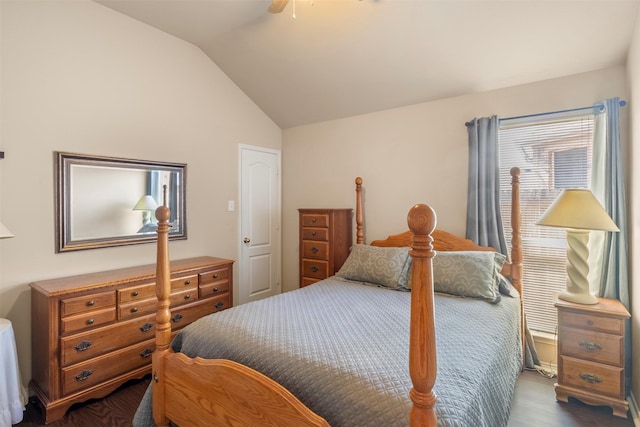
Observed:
{"x":259,"y":223}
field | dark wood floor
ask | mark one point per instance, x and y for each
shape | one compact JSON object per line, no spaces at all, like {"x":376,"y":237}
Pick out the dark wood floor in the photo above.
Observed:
{"x":534,"y":405}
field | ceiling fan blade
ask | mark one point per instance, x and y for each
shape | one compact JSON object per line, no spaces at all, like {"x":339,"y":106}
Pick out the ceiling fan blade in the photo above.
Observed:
{"x":277,"y":6}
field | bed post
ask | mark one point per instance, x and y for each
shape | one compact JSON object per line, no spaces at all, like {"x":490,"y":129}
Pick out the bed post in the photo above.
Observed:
{"x":359,"y":216}
{"x":422,"y":338}
{"x":516,"y":250}
{"x":163,"y":327}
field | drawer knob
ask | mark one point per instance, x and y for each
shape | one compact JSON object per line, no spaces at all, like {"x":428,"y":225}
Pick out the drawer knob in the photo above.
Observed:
{"x":90,"y":303}
{"x":134,"y":309}
{"x":219,"y":305}
{"x":313,"y":233}
{"x":83,"y":375}
{"x":90,"y":321}
{"x":215,"y":276}
{"x":314,"y":269}
{"x":590,"y":378}
{"x":146,"y":327}
{"x":83,"y":345}
{"x":187,"y":296}
{"x":176,"y":318}
{"x":590,"y":322}
{"x":590,"y":346}
{"x":146,"y":353}
{"x":135,"y":293}
{"x":187,"y":282}
{"x":314,"y":250}
{"x":313,"y":220}
{"x":215,"y":289}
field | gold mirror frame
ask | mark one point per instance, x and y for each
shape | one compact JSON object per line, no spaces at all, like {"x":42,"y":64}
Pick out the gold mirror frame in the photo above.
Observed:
{"x":98,"y":204}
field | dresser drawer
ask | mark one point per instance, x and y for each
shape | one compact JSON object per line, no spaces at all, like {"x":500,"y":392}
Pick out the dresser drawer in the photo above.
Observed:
{"x":315,"y":250}
{"x":214,"y":289}
{"x":591,"y":376}
{"x":315,"y":268}
{"x":91,"y":319}
{"x":594,"y":346}
{"x":315,"y":234}
{"x":136,"y":308}
{"x":591,"y":322}
{"x":70,"y":306}
{"x":94,"y":371}
{"x":86,"y":345}
{"x":315,"y":220}
{"x":307,"y":281}
{"x":214,"y":276}
{"x":183,"y":315}
{"x":185,"y":282}
{"x":184,"y":296}
{"x":136,"y":293}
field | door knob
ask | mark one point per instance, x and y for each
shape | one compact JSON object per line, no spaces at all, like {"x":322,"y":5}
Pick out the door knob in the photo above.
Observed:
{"x":246,"y":240}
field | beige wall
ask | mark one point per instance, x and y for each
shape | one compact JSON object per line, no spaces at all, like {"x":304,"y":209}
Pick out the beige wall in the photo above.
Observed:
{"x":79,"y":77}
{"x":414,"y":154}
{"x":633,"y":72}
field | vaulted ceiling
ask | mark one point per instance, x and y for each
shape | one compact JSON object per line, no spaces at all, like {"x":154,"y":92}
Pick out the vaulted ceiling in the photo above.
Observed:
{"x":339,"y":58}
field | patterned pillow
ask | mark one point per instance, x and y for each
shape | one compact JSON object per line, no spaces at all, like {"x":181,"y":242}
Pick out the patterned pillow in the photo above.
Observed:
{"x":468,"y":274}
{"x":377,"y":265}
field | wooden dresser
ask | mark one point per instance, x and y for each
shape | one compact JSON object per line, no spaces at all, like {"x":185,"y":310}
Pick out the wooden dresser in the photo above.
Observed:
{"x":93,"y":332}
{"x":591,"y":364}
{"x":325,"y":241}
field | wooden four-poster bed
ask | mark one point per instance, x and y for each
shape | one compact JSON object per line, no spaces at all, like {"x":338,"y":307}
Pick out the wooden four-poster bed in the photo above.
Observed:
{"x":190,"y":390}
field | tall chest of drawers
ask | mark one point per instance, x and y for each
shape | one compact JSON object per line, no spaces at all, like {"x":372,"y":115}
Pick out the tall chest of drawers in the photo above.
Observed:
{"x":325,"y":241}
{"x":93,"y":332}
{"x":591,"y":364}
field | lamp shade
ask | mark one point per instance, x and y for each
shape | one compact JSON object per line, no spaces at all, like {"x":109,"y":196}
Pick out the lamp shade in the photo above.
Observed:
{"x":578,"y":209}
{"x":146,"y":203}
{"x":4,"y":232}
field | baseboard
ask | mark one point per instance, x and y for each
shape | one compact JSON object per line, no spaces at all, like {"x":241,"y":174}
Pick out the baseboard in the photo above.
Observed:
{"x":633,"y":408}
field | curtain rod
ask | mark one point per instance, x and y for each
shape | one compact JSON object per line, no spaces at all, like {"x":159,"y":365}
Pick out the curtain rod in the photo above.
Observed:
{"x":599,"y":105}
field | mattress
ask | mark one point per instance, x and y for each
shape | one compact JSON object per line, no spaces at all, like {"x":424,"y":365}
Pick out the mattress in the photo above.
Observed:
{"x":343,"y":348}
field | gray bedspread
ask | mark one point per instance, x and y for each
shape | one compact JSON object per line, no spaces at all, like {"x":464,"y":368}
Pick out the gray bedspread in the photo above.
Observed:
{"x":342,"y":349}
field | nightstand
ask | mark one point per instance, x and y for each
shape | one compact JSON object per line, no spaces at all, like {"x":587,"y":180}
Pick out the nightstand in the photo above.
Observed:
{"x":591,"y":366}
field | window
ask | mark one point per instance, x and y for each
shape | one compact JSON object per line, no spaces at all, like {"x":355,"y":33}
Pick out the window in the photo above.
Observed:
{"x":552,"y":154}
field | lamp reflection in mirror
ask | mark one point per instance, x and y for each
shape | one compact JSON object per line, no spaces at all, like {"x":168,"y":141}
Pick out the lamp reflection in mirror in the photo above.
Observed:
{"x":146,"y":204}
{"x":4,"y":232}
{"x":577,"y":211}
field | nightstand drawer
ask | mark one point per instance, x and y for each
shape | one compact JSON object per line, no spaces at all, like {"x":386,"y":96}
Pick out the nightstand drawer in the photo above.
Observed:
{"x":591,"y":322}
{"x":594,"y":377}
{"x":594,"y":346}
{"x":315,"y":250}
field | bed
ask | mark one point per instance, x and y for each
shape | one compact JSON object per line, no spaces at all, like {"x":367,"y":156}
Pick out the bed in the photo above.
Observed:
{"x":373,"y":345}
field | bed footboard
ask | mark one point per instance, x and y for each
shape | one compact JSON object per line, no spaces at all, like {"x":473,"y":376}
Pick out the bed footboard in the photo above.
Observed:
{"x":247,"y":397}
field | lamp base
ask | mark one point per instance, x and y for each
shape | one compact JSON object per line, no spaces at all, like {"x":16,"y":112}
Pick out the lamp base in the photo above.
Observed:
{"x":578,"y":298}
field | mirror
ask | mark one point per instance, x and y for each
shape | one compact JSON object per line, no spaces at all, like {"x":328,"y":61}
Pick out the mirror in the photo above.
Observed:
{"x":108,"y":201}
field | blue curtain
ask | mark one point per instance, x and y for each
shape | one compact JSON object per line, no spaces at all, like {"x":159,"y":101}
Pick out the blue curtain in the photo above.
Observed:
{"x":607,"y":184}
{"x":484,"y":222}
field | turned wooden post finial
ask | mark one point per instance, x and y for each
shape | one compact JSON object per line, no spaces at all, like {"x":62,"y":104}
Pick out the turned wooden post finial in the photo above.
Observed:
{"x":359,"y":215}
{"x":422,"y":334}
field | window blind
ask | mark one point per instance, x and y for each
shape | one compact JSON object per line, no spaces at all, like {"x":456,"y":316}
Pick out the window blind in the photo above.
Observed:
{"x":552,"y":154}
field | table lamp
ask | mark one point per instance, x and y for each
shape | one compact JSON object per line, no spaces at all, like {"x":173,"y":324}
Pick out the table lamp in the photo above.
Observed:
{"x":146,"y":204}
{"x":577,"y":211}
